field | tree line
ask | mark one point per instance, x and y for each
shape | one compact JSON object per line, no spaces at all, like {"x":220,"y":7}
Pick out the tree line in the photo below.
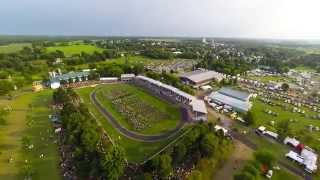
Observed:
{"x":93,"y":155}
{"x":201,"y":147}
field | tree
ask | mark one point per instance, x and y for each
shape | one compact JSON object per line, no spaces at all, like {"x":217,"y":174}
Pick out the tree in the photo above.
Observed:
{"x":265,"y":157}
{"x":5,"y":87}
{"x":284,"y":129}
{"x":244,"y":176}
{"x":113,"y":163}
{"x":285,"y":86}
{"x":249,"y":118}
{"x":251,"y":169}
{"x":195,"y":175}
{"x":179,"y":153}
{"x":208,"y":144}
{"x":165,"y":168}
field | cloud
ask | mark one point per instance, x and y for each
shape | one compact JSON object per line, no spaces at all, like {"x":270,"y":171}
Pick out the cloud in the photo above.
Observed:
{"x":227,"y":18}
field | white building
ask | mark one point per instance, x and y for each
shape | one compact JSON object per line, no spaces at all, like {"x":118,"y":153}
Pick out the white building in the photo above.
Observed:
{"x":127,"y":77}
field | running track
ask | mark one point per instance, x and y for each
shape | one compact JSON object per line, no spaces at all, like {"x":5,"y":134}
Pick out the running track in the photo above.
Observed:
{"x":131,"y":134}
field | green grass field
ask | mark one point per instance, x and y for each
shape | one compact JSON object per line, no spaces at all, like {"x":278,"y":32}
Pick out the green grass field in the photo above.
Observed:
{"x":299,"y":126}
{"x":165,"y":116}
{"x":75,"y":49}
{"x":267,"y":79}
{"x":38,"y":130}
{"x":136,"y":152}
{"x":304,"y":69}
{"x":11,"y":48}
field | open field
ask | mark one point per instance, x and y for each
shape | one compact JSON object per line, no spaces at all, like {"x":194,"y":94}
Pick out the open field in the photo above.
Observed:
{"x":28,"y":118}
{"x":75,"y":49}
{"x":267,"y":79}
{"x":136,"y":152}
{"x":137,"y":110}
{"x":299,"y":121}
{"x":13,"y":47}
{"x":305,"y":69}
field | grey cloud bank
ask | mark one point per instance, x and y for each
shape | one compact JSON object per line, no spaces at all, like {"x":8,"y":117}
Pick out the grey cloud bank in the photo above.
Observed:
{"x":214,"y":18}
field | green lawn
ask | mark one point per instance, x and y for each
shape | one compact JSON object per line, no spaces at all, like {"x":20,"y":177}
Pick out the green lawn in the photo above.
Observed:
{"x":135,"y":151}
{"x":75,"y":49}
{"x":15,"y":47}
{"x":158,"y":124}
{"x":299,"y":126}
{"x":282,"y":174}
{"x":304,"y":69}
{"x":39,"y":133}
{"x":266,"y":79}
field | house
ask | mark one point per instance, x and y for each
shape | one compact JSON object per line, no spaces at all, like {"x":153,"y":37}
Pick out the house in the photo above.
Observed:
{"x":127,"y":77}
{"x":200,"y":77}
{"x":37,"y":86}
{"x":108,"y":79}
{"x":238,"y":100}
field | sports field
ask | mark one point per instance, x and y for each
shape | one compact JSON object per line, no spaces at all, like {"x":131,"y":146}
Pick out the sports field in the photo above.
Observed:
{"x":28,"y":119}
{"x":137,"y":110}
{"x":11,"y":48}
{"x":136,"y":151}
{"x":75,"y":49}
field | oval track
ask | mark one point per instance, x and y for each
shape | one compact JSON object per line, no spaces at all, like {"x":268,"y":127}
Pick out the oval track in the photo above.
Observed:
{"x":131,"y":134}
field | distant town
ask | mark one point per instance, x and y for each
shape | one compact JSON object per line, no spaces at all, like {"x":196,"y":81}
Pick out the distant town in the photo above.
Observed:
{"x":158,"y":108}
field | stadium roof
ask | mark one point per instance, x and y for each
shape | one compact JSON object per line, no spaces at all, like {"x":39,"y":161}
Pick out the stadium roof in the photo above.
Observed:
{"x":231,"y":101}
{"x":197,"y":105}
{"x":202,"y":75}
{"x":243,"y":96}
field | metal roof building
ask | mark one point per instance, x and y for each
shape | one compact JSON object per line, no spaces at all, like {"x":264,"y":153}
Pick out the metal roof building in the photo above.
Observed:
{"x":241,"y":95}
{"x":238,"y":100}
{"x":201,"y":77}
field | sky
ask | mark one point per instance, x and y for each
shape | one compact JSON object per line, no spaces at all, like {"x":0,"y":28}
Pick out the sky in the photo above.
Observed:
{"x":278,"y":19}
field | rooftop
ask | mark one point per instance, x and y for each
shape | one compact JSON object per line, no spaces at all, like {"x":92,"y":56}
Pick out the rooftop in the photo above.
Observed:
{"x":70,"y":75}
{"x":241,"y":95}
{"x":202,"y":75}
{"x":231,"y":101}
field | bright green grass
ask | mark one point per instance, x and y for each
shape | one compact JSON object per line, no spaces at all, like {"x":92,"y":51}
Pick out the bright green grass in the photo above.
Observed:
{"x":282,"y":175}
{"x":136,"y":152}
{"x":158,"y":126}
{"x":299,"y":127}
{"x":11,"y":134}
{"x":304,"y":69}
{"x":11,"y":48}
{"x":75,"y":49}
{"x":267,"y":79}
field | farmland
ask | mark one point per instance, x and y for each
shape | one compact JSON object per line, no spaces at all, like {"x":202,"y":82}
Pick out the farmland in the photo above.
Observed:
{"x":74,"y":49}
{"x":15,"y":47}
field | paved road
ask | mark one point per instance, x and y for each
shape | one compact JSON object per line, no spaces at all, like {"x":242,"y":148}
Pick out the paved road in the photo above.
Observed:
{"x":131,"y":134}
